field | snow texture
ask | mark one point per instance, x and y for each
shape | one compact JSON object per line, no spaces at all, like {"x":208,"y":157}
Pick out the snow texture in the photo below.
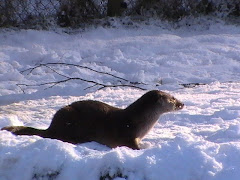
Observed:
{"x":200,"y":142}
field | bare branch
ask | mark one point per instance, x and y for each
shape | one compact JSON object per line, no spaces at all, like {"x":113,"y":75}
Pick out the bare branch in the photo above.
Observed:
{"x":74,"y":65}
{"x":191,"y":85}
{"x":56,"y":72}
{"x":122,"y":85}
{"x":54,"y":83}
{"x":67,"y":78}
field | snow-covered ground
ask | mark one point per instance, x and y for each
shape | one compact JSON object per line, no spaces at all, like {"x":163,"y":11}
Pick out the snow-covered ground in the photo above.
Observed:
{"x":200,"y":142}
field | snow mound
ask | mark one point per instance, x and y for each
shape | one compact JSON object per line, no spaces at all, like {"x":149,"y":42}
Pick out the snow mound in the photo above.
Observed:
{"x":200,"y":142}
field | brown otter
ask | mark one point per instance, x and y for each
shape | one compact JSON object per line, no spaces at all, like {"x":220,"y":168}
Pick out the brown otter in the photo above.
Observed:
{"x":85,"y":121}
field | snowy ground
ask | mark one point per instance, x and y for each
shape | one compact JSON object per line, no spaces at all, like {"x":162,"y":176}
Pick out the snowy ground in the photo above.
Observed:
{"x":200,"y":142}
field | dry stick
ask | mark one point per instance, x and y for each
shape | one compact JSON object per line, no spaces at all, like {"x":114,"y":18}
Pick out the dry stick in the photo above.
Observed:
{"x":75,"y":65}
{"x":57,"y":72}
{"x":191,"y":85}
{"x":70,"y":78}
{"x":104,"y":86}
{"x":47,"y":65}
{"x":54,"y":83}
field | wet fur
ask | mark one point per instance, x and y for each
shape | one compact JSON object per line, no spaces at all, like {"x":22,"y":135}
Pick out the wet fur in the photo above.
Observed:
{"x":85,"y":121}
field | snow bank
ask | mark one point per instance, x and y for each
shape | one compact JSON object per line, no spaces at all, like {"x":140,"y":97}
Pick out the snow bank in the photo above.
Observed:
{"x":51,"y":158}
{"x":202,"y":141}
{"x":153,"y":56}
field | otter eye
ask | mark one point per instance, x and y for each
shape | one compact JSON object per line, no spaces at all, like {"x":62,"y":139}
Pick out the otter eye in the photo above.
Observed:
{"x":179,"y":106}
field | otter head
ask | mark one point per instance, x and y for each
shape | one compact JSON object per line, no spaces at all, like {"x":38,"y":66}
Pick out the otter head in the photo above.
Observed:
{"x":154,"y":103}
{"x":145,"y":112}
{"x":169,"y":102}
{"x":163,"y":102}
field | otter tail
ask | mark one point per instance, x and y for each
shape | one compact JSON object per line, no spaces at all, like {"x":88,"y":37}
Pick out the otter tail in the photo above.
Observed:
{"x":22,"y":130}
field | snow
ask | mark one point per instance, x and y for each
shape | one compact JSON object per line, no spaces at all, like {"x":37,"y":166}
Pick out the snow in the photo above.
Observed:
{"x":202,"y":141}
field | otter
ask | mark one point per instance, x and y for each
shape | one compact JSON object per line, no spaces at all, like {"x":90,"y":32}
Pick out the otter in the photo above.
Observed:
{"x":88,"y":120}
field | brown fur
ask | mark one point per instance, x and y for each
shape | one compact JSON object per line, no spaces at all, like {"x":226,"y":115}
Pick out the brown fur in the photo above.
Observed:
{"x":85,"y":121}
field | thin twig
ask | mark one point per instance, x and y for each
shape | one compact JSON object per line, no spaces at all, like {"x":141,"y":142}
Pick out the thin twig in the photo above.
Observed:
{"x":102,"y":86}
{"x":57,"y":72}
{"x":74,"y":65}
{"x":67,"y":78}
{"x":191,"y":85}
{"x":121,"y":85}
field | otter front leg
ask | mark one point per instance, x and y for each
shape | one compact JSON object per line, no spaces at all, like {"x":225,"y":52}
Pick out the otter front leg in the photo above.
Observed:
{"x":134,"y":144}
